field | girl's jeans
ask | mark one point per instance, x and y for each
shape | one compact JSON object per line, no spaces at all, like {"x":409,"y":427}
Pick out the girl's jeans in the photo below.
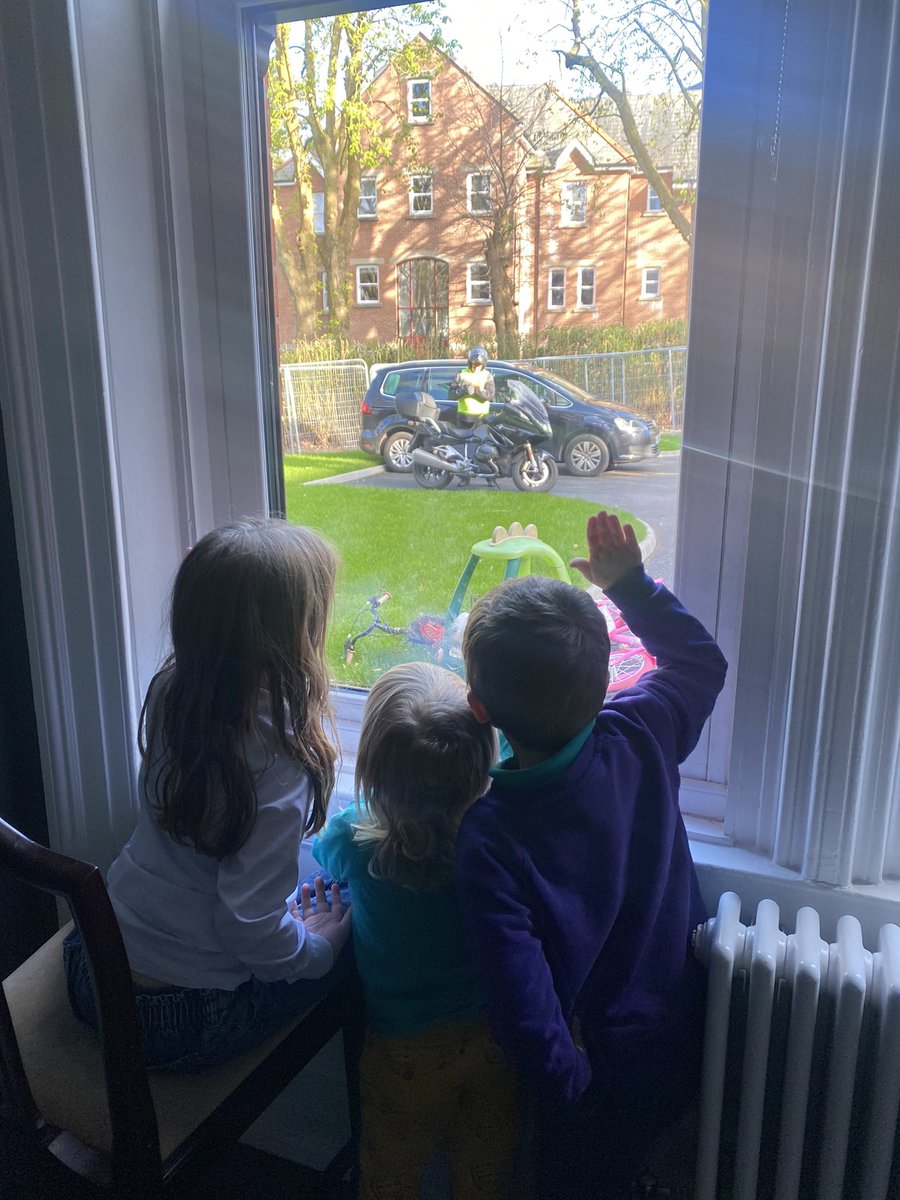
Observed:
{"x":190,"y":1029}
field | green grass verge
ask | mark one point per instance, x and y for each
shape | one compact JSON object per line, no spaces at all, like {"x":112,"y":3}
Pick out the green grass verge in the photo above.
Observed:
{"x":303,"y":468}
{"x":670,"y":441}
{"x":415,"y":544}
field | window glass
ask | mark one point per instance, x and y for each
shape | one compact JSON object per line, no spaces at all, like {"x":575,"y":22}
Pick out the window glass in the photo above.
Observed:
{"x":421,"y":195}
{"x":319,"y":212}
{"x":367,"y":285}
{"x":478,"y":283}
{"x":574,"y":202}
{"x":654,"y":204}
{"x":367,"y":208}
{"x":586,"y":289}
{"x":438,"y":383}
{"x":419,"y":96}
{"x":556,"y":288}
{"x":479,"y":193}
{"x":650,"y":278}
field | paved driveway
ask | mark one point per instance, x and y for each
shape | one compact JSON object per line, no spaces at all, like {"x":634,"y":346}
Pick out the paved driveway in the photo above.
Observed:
{"x":650,"y":491}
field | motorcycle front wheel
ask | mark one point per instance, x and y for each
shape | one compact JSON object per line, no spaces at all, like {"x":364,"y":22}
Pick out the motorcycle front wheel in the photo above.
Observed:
{"x":428,"y":477}
{"x":537,"y":476}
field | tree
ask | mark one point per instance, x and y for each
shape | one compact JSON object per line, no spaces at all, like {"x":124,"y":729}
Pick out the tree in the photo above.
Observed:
{"x":665,"y":40}
{"x":486,"y":121}
{"x":319,"y":75}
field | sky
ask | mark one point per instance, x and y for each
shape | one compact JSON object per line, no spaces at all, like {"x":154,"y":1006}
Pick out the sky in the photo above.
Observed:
{"x":509,"y":39}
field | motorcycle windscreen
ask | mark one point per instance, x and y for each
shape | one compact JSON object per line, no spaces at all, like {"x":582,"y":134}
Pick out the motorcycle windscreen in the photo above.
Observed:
{"x":526,"y":410}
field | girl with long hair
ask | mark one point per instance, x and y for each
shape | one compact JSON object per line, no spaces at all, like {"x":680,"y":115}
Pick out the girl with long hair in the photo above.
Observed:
{"x":431,"y":1074}
{"x":236,"y":768}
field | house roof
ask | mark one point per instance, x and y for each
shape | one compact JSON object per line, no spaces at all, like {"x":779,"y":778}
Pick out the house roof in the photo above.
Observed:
{"x":665,"y":121}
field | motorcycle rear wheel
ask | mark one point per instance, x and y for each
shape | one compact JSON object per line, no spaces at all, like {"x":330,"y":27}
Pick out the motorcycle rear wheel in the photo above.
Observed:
{"x":537,"y":476}
{"x":427,"y":477}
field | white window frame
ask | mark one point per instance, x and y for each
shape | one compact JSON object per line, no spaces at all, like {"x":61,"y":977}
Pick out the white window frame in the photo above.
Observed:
{"x":654,"y":203}
{"x":583,"y":272}
{"x":421,"y":118}
{"x":319,"y":212}
{"x":482,"y":195}
{"x":364,"y":210}
{"x":573,"y":213}
{"x":374,"y":281}
{"x":481,"y":283}
{"x":559,"y":287}
{"x":651,"y":283}
{"x":418,"y":193}
{"x":89,"y":576}
{"x":323,"y":281}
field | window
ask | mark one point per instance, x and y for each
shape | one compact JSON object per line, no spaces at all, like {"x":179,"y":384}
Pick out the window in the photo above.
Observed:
{"x":367,"y":209}
{"x":418,"y":101}
{"x":423,"y":298}
{"x":654,"y":204}
{"x":367,"y":291}
{"x":650,"y":283}
{"x":478,"y":283}
{"x":478,"y":192}
{"x":556,"y":288}
{"x":586,"y":287}
{"x":421,"y":195}
{"x":318,"y":212}
{"x":574,"y":204}
{"x":323,"y":280}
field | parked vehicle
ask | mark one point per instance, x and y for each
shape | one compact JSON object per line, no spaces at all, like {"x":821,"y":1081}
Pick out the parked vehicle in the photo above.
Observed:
{"x":587,"y":435}
{"x":501,"y":446}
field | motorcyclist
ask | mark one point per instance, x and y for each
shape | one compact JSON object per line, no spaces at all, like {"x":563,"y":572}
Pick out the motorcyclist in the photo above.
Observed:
{"x":474,"y":387}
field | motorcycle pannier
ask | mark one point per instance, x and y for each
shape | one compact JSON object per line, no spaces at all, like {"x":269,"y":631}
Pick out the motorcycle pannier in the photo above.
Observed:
{"x":417,"y":406}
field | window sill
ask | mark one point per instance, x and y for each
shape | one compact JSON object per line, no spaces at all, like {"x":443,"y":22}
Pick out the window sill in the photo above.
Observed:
{"x":585,"y":308}
{"x":420,"y":216}
{"x":478,"y":303}
{"x":654,"y":212}
{"x":556,"y":308}
{"x":572,"y":224}
{"x":367,"y":304}
{"x":649,"y":297}
{"x":367,"y":216}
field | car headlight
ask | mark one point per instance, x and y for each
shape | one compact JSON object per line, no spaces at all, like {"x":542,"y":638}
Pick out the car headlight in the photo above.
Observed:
{"x":635,"y":428}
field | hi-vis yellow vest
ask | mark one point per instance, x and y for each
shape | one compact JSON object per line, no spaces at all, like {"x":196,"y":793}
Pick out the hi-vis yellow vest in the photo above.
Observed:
{"x":474,"y":406}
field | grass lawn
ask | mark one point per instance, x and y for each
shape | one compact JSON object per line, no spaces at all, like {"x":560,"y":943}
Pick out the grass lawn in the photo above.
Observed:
{"x":303,"y":468}
{"x":414,"y":544}
{"x":670,"y":441}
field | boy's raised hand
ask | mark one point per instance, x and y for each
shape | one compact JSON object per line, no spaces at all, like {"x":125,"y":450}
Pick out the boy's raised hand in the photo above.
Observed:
{"x":613,"y":551}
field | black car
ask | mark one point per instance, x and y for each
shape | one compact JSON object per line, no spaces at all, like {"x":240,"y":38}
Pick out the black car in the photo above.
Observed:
{"x":589,"y":435}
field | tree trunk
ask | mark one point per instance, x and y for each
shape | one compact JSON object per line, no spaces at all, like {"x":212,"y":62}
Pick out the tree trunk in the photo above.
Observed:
{"x":499,"y":256}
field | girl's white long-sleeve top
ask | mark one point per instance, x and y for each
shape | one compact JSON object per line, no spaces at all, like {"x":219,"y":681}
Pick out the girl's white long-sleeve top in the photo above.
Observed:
{"x":200,"y":922}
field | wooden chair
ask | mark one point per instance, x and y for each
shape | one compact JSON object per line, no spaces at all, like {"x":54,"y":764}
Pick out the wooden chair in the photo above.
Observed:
{"x":82,"y":1115}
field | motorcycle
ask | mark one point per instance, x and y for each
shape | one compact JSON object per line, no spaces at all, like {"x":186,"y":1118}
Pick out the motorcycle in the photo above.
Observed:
{"x":498,"y":447}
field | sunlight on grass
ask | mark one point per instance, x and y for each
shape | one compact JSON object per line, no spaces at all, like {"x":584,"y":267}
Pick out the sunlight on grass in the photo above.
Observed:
{"x":304,"y":468}
{"x":415,"y":545}
{"x":670,"y":441}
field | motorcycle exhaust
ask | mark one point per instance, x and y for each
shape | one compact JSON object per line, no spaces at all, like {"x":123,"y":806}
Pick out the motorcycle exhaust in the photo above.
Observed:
{"x":425,"y":459}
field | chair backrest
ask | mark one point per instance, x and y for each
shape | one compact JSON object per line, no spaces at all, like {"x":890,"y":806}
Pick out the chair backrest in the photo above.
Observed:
{"x":135,"y":1159}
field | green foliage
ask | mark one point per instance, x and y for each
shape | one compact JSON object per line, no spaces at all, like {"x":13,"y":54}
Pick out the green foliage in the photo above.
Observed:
{"x":415,"y":544}
{"x":650,"y":335}
{"x":670,"y":441}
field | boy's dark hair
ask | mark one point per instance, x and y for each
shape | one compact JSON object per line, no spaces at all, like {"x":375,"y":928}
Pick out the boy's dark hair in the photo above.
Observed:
{"x":537,"y":657}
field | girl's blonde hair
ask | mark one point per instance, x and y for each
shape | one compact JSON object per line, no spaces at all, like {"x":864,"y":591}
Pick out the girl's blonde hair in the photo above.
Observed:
{"x":249,"y":609}
{"x":423,"y":760}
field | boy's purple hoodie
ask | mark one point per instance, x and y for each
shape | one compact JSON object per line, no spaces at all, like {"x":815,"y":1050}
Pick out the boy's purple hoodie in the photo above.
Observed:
{"x":578,"y":891}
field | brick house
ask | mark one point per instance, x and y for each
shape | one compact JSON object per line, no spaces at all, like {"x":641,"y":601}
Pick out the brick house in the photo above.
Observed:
{"x":591,"y":244}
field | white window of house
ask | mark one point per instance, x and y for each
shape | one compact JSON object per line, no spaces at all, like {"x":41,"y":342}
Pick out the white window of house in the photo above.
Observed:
{"x":323,"y":281}
{"x":573,"y":209}
{"x":587,"y":287}
{"x":418,"y":101}
{"x":318,"y":212}
{"x":367,"y":208}
{"x":421,"y":195}
{"x":556,"y":288}
{"x":478,"y":192}
{"x":478,"y":283}
{"x":367,"y":285}
{"x":654,"y":204}
{"x":650,"y":277}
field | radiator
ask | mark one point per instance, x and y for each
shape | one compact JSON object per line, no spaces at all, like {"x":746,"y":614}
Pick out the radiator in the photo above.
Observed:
{"x":801,"y":1062}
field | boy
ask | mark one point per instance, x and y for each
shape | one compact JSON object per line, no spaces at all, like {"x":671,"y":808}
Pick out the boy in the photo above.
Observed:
{"x":574,"y":872}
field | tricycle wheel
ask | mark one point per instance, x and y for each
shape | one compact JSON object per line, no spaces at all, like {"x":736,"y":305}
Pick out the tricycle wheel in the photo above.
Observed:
{"x":428,"y":477}
{"x":537,"y":476}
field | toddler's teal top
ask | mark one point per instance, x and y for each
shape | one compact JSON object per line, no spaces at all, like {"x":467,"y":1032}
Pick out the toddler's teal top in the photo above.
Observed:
{"x":414,"y":967}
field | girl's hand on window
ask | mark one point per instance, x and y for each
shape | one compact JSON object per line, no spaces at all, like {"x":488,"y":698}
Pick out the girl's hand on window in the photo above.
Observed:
{"x":333,"y":924}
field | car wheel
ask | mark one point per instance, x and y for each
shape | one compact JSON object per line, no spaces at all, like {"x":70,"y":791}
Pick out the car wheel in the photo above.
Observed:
{"x":587,"y":455}
{"x":428,"y":477}
{"x":537,"y":476}
{"x":395,"y":452}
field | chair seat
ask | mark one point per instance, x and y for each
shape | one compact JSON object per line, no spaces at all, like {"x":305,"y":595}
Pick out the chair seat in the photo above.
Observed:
{"x":55,"y":1045}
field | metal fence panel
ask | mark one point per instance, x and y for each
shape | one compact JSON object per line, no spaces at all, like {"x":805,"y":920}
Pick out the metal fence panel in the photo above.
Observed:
{"x":320,"y":405}
{"x":650,"y":382}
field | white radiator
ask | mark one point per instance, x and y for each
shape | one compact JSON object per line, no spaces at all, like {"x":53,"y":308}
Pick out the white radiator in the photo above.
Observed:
{"x":801,"y":1071}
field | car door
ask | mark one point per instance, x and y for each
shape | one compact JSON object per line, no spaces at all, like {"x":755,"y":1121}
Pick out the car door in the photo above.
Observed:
{"x":438,"y":387}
